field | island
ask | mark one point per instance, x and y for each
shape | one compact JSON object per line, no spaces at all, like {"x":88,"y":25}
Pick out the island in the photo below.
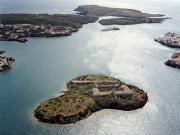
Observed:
{"x":87,"y":94}
{"x":125,"y":16}
{"x":174,"y":61}
{"x":16,"y":27}
{"x":5,"y":62}
{"x":170,"y":39}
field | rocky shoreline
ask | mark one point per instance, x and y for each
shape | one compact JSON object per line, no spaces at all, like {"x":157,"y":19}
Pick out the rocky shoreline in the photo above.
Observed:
{"x":88,"y":94}
{"x":170,"y":39}
{"x":174,"y":61}
{"x":19,"y":32}
{"x":5,"y":62}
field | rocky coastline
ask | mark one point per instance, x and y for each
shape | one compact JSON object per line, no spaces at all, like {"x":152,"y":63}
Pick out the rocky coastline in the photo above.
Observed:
{"x":88,"y":94}
{"x":170,"y":39}
{"x":5,"y":62}
{"x":174,"y":61}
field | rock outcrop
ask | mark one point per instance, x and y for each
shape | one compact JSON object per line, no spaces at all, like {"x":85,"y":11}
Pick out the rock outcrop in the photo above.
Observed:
{"x":170,"y":39}
{"x":5,"y":63}
{"x":174,"y":61}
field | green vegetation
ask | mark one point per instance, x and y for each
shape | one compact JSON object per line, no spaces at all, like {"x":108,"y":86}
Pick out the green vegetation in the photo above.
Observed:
{"x":72,"y":102}
{"x":56,"y":19}
{"x":78,"y":102}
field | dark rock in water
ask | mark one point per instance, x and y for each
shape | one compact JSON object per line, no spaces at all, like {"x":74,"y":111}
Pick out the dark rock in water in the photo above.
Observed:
{"x":130,"y":21}
{"x":174,"y":61}
{"x":94,"y":10}
{"x":17,"y":27}
{"x":170,"y":39}
{"x":23,"y":40}
{"x":1,"y":52}
{"x":110,"y":29}
{"x":5,"y":63}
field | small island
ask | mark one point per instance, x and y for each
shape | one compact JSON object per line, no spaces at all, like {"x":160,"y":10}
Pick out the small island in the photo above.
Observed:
{"x":170,"y":39}
{"x":87,"y":94}
{"x":174,"y":61}
{"x":5,"y":62}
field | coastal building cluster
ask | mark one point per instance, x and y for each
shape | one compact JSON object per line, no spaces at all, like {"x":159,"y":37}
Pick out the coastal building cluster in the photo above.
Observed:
{"x":19,"y":32}
{"x":5,"y":63}
{"x":115,"y":91}
{"x":114,"y":88}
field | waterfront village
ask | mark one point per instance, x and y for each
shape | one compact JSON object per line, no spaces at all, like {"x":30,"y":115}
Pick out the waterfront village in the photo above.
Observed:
{"x":19,"y":32}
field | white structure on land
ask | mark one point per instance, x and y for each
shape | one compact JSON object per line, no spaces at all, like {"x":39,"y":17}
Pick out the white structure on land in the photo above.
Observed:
{"x":122,"y":91}
{"x":114,"y":88}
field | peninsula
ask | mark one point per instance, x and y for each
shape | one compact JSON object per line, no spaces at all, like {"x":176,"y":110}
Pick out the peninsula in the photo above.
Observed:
{"x":174,"y":61}
{"x":125,"y":16}
{"x":170,"y":39}
{"x":87,"y":94}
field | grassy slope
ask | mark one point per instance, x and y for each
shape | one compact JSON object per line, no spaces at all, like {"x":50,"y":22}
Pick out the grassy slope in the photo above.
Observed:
{"x":56,"y":19}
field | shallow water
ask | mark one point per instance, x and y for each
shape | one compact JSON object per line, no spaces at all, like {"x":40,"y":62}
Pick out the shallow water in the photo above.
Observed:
{"x":43,"y":65}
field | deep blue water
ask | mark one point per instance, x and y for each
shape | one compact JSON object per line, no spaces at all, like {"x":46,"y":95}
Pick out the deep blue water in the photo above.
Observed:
{"x":43,"y":65}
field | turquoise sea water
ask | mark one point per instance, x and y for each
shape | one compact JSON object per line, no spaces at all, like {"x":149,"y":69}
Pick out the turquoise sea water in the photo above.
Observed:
{"x":43,"y":65}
